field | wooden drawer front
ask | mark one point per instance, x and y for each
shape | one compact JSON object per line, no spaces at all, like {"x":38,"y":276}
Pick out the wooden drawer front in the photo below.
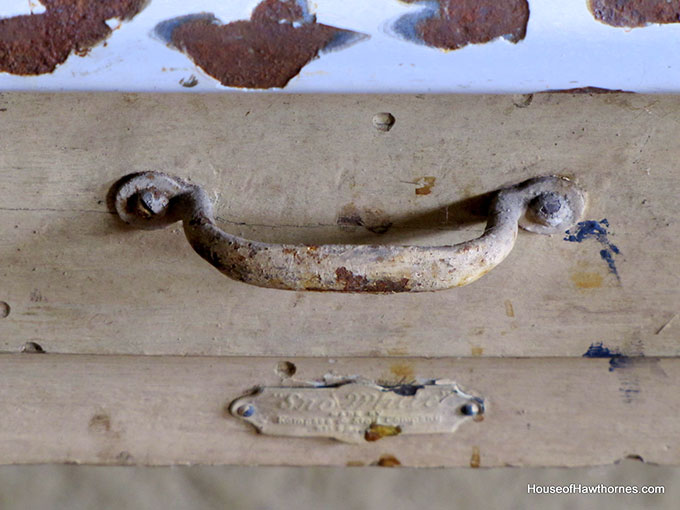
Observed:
{"x":307,"y":169}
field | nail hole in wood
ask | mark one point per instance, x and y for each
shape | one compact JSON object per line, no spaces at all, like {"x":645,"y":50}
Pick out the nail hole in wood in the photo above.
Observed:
{"x":32,"y":347}
{"x":286,"y":369}
{"x":383,"y":121}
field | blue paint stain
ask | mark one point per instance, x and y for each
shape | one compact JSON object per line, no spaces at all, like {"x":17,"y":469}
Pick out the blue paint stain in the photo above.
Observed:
{"x":629,"y":385}
{"x":590,"y":229}
{"x":597,"y":350}
{"x":597,"y":230}
{"x":616,"y":359}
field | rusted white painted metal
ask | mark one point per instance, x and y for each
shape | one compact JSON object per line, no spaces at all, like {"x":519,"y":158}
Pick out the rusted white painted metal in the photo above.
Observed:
{"x":545,"y":205}
{"x":564,"y":48}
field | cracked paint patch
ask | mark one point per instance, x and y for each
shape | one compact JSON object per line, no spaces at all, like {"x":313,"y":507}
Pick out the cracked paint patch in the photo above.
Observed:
{"x":36,"y":44}
{"x":586,"y":90}
{"x":452,"y":24}
{"x":267,"y":51}
{"x":635,"y":13}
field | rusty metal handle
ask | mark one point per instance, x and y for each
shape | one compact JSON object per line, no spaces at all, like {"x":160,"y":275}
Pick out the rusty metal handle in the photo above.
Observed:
{"x":544,"y":205}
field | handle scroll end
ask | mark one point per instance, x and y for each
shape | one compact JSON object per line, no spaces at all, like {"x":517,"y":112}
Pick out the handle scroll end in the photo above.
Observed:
{"x":144,"y":200}
{"x":552,"y":205}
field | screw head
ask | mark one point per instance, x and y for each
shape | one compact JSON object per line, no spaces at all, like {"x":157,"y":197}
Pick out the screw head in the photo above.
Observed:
{"x":246,"y":410}
{"x":553,"y":204}
{"x":151,"y":202}
{"x":144,"y":200}
{"x":470,"y":409}
{"x":548,"y":209}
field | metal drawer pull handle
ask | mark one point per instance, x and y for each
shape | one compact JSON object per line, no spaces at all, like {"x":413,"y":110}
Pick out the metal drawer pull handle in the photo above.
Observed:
{"x":544,"y":205}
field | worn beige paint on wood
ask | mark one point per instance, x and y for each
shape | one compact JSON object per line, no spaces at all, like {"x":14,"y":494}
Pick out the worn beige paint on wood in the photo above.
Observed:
{"x":298,"y":169}
{"x":171,"y":410}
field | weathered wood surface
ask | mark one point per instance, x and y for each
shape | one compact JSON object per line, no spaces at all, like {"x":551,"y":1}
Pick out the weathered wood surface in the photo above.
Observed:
{"x":171,"y":410}
{"x":291,"y":169}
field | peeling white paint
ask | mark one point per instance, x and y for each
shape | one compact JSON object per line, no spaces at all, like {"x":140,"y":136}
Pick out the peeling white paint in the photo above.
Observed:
{"x":564,"y":48}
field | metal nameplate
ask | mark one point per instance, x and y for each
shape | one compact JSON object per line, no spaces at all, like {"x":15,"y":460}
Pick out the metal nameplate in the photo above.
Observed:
{"x":358,"y":412}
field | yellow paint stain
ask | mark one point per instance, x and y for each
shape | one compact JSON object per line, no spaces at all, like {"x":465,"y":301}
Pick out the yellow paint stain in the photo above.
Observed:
{"x":388,"y":460}
{"x":475,"y":458}
{"x":509,"y":309}
{"x":584,"y":280}
{"x":476,"y":351}
{"x":403,"y":371}
{"x":426,"y":184}
{"x":376,"y":432}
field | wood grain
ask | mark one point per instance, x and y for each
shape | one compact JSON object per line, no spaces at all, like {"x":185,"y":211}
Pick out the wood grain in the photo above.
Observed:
{"x":170,"y":410}
{"x":301,"y":169}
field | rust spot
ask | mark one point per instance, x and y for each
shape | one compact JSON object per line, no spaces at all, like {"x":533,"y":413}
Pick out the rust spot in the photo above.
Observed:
{"x":100,"y":422}
{"x":588,"y":90}
{"x":373,"y":220}
{"x":359,"y":283}
{"x":266,"y":51}
{"x":388,"y":460}
{"x":376,"y":432}
{"x":475,"y":458}
{"x":294,"y":252}
{"x":452,"y":24}
{"x":584,"y":280}
{"x":476,"y":351}
{"x":355,"y":463}
{"x":37,"y":43}
{"x":403,"y":371}
{"x":313,"y":253}
{"x":426,"y":184}
{"x":509,"y":309}
{"x":635,"y":13}
{"x":352,"y":282}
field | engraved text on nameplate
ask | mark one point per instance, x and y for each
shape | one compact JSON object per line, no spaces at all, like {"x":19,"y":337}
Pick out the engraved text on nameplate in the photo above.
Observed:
{"x":358,"y":412}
